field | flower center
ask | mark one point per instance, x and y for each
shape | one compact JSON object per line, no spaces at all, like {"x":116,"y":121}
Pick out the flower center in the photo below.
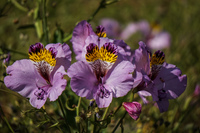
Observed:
{"x":107,"y":53}
{"x":158,"y":58}
{"x":41,"y":92}
{"x":43,"y":59}
{"x":101,"y":60}
{"x":101,"y":32}
{"x":156,"y":62}
{"x":38,"y":53}
{"x":103,"y":92}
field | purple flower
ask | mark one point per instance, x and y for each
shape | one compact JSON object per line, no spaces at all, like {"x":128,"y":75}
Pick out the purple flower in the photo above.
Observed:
{"x":102,"y":76}
{"x":7,"y":59}
{"x":160,"y":80}
{"x":83,"y":36}
{"x":153,"y":36}
{"x":112,"y":27}
{"x":197,"y":90}
{"x":41,"y":76}
{"x":133,"y":109}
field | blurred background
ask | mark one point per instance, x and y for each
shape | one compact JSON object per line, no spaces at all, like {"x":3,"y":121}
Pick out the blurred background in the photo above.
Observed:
{"x":21,"y":24}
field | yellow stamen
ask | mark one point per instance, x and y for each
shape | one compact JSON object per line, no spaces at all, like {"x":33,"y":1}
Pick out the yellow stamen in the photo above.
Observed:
{"x":101,"y":34}
{"x":102,"y":54}
{"x":43,"y":55}
{"x":157,"y":60}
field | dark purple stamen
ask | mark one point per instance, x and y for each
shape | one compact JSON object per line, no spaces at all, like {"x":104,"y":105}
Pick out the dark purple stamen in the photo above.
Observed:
{"x":53,"y":51}
{"x":90,"y":47}
{"x":103,"y":92}
{"x":162,"y":94}
{"x":100,"y":29}
{"x":40,"y":93}
{"x":35,"y":48}
{"x":160,"y":54}
{"x":110,"y":48}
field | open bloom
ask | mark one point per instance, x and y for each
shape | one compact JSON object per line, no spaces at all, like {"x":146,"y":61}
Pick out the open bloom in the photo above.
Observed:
{"x":153,"y":35}
{"x":160,"y":80}
{"x":41,"y":76}
{"x":100,"y":73}
{"x":133,"y":109}
{"x":102,"y":76}
{"x":83,"y":35}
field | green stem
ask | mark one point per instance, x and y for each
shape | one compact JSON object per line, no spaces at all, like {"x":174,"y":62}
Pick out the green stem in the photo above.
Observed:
{"x":17,"y":52}
{"x":96,"y":11}
{"x":19,"y":6}
{"x":62,"y":109}
{"x":45,"y":22}
{"x":117,"y":109}
{"x":71,"y":109}
{"x":101,"y":5}
{"x":51,"y":119}
{"x":67,"y":38}
{"x":95,"y":119}
{"x":77,"y":107}
{"x":63,"y":112}
{"x":105,"y":112}
{"x":77,"y":114}
{"x":5,"y":119}
{"x":120,"y":121}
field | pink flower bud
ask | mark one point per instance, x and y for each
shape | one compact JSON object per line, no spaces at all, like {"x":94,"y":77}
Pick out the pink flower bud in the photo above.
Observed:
{"x":133,"y":108}
{"x":197,"y":90}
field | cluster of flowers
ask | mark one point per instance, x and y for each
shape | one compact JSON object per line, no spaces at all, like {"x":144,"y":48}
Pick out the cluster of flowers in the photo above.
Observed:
{"x":152,"y":34}
{"x":105,"y":68}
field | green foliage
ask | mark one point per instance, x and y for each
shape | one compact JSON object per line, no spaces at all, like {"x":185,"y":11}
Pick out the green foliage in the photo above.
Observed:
{"x":22,"y":23}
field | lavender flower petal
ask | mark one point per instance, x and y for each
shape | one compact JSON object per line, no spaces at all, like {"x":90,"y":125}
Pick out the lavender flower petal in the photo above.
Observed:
{"x":83,"y":81}
{"x":80,"y":33}
{"x":22,"y":77}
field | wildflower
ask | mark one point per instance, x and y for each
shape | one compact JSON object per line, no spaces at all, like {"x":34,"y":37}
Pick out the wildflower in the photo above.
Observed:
{"x":6,"y":60}
{"x":197,"y":90}
{"x":83,"y":35}
{"x":41,"y":76}
{"x":160,"y":80}
{"x":102,"y":76}
{"x":153,"y":35}
{"x":133,"y":109}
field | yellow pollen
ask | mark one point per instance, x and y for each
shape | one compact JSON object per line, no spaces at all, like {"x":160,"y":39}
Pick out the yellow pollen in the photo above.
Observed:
{"x":102,"y":54}
{"x":43,"y":55}
{"x":101,"y":34}
{"x":157,"y":60}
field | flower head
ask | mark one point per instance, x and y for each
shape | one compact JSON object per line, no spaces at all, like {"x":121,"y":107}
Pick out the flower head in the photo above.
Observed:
{"x":162,"y":81}
{"x":101,"y":32}
{"x":100,"y":74}
{"x":83,"y":36}
{"x":153,"y":35}
{"x":41,"y":76}
{"x":133,"y":109}
{"x":101,"y":79}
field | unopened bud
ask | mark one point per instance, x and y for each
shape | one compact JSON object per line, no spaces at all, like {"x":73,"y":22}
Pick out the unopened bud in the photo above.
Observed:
{"x":133,"y":108}
{"x":96,"y":110}
{"x":78,"y":119}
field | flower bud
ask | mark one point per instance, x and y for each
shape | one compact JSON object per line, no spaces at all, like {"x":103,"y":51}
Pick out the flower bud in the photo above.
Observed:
{"x":78,"y":119}
{"x":96,"y":110}
{"x":133,"y":108}
{"x":197,"y":90}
